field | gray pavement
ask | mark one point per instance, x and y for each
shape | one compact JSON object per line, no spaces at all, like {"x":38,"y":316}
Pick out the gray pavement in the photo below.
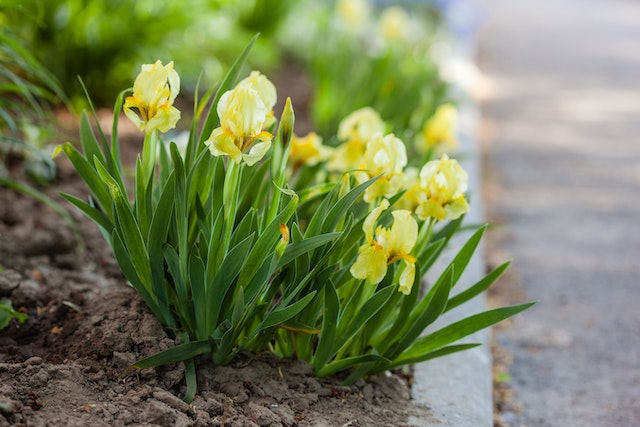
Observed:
{"x":564,"y":114}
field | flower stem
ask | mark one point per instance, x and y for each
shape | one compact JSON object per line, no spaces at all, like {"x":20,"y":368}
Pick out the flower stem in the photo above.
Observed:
{"x":425,"y":233}
{"x":149,"y":150}
{"x":230,"y":201}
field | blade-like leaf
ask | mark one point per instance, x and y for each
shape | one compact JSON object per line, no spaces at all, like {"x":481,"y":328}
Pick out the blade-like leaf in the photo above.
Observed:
{"x":296,"y":249}
{"x":458,"y":330}
{"x":444,"y":351}
{"x":348,"y":362}
{"x":175,"y":354}
{"x":89,"y":175}
{"x":368,"y":310}
{"x":481,"y":286}
{"x":281,"y":315}
{"x":425,"y":313}
{"x":224,"y":279}
{"x":88,"y":139}
{"x":96,"y":215}
{"x":327,"y":342}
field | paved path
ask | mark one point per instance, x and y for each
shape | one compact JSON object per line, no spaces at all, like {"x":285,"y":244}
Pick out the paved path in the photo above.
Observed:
{"x":565,"y":113}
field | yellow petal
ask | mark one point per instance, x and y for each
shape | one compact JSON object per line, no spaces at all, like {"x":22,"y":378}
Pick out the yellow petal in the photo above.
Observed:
{"x":407,"y":278}
{"x":164,"y":120}
{"x":361,"y":125}
{"x":222,"y":143}
{"x":372,"y":218}
{"x":456,"y":208}
{"x":257,"y":151}
{"x":371,"y":264}
{"x":404,"y":231}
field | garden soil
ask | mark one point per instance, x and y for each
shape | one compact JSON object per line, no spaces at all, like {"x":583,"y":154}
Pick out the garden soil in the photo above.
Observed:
{"x":67,"y":364}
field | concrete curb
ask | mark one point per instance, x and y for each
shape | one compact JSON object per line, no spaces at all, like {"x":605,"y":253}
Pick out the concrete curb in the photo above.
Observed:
{"x":458,"y":388}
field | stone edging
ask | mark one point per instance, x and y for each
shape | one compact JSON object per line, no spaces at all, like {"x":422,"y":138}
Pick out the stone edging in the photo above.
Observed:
{"x":458,"y":388}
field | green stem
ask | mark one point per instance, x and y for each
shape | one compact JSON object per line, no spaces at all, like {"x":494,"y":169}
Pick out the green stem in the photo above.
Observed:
{"x":425,"y":233}
{"x":230,"y":202}
{"x":149,"y":152}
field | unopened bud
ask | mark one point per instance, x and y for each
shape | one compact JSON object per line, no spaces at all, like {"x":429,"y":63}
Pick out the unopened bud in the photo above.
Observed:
{"x":287,"y":120}
{"x":284,"y":240}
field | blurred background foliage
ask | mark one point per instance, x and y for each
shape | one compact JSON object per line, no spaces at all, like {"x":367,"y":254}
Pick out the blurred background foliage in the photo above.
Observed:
{"x":353,"y":53}
{"x":105,"y":41}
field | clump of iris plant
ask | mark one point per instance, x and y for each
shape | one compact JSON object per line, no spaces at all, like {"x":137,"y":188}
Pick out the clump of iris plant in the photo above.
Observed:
{"x":255,"y":239}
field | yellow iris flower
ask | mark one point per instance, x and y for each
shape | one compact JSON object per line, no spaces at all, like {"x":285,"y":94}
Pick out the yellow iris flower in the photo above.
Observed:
{"x":386,"y":246}
{"x":154,"y":91}
{"x":245,"y":111}
{"x":439,"y":131}
{"x":308,"y":150}
{"x":385,"y":156}
{"x":394,"y":23}
{"x":356,"y":130}
{"x":443,"y":184}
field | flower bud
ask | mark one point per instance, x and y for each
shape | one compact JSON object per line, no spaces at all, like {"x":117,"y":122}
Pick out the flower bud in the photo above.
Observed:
{"x":287,"y":121}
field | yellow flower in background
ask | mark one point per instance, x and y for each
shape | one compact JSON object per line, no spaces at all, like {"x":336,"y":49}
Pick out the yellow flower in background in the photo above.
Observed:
{"x":444,"y":184}
{"x":414,"y":195}
{"x":154,"y":91}
{"x":361,"y":125}
{"x":439,"y":131}
{"x":354,"y":13}
{"x":356,"y":130}
{"x":386,"y":246}
{"x":394,"y":23}
{"x":385,"y":156}
{"x":245,"y":111}
{"x":308,"y":150}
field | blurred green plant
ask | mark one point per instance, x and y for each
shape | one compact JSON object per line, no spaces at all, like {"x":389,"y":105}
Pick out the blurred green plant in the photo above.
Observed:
{"x":27,"y":91}
{"x":103,"y":41}
{"x":7,"y":312}
{"x":230,"y":254}
{"x":359,"y":56}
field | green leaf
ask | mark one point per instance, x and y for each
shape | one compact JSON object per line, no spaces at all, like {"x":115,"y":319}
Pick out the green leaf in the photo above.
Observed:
{"x":127,"y":228}
{"x":392,"y":336}
{"x":425,"y":313}
{"x":224,"y":279}
{"x":159,"y":228}
{"x":340,"y":208}
{"x":7,"y":313}
{"x":88,"y":140}
{"x":238,"y":308}
{"x":89,"y":175}
{"x":281,"y":315}
{"x":144,"y":189}
{"x":161,"y":311}
{"x":175,"y":354}
{"x":326,"y":342}
{"x":368,"y":310}
{"x":296,"y":249}
{"x":430,"y":253}
{"x":96,"y":215}
{"x":115,"y":141}
{"x":481,"y":286}
{"x":180,"y":281}
{"x":463,"y":257}
{"x":265,"y":243}
{"x":197,"y":281}
{"x":444,"y":351}
{"x":348,"y":362}
{"x":456,"y":331}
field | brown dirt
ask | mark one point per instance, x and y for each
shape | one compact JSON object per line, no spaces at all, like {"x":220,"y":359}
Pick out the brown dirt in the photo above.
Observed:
{"x":66,"y":364}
